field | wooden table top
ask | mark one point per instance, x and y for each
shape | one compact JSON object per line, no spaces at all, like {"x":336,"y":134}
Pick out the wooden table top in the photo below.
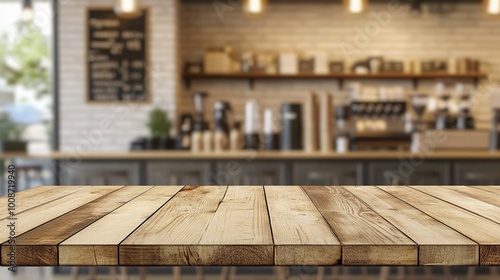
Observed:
{"x":254,"y":225}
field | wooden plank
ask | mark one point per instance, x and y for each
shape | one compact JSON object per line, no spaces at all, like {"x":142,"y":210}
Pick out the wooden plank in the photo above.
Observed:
{"x":366,"y":238}
{"x":37,"y":196}
{"x":206,"y":226}
{"x":301,"y":235}
{"x":47,"y":236}
{"x":475,"y":200}
{"x":240,"y":232}
{"x":483,"y":231}
{"x":438,"y":244}
{"x":95,"y":246}
{"x":491,"y":189}
{"x":34,"y":217}
{"x":170,"y":236}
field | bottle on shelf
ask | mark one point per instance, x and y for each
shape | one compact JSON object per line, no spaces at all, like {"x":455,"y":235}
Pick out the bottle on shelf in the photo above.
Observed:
{"x":271,"y":136}
{"x":342,"y":136}
{"x":291,"y":126}
{"x":252,"y":125}
{"x":235,"y":139}
{"x":208,"y":141}
{"x":197,"y":141}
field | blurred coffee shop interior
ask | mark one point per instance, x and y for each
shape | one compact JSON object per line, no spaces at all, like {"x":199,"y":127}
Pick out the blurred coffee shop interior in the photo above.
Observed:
{"x":252,"y":92}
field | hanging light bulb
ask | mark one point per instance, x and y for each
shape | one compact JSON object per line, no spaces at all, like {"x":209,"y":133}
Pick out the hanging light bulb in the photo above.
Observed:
{"x":492,"y":7}
{"x":356,"y":6}
{"x":127,"y":8}
{"x":27,"y":12}
{"x":254,"y":6}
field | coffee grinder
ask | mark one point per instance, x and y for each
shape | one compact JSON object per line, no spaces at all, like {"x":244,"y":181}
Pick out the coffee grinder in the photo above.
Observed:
{"x":221,"y":120}
{"x":419,"y":103}
{"x":200,"y":124}
{"x":221,"y":116}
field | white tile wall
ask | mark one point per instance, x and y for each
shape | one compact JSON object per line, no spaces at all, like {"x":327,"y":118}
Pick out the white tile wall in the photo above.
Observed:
{"x":126,"y":121}
{"x":324,"y":25}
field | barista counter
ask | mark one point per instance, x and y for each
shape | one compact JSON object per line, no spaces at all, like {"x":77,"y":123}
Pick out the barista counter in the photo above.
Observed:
{"x":272,"y":168}
{"x":258,"y":155}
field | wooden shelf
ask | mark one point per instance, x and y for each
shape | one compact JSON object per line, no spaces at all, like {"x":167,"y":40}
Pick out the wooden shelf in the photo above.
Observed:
{"x":251,"y":77}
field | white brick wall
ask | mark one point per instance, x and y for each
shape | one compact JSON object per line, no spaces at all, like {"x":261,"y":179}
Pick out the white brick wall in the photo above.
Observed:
{"x":321,"y":25}
{"x":119,"y":123}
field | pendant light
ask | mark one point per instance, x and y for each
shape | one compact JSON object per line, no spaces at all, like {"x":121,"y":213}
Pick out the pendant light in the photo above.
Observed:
{"x":492,"y":7}
{"x":27,"y":12}
{"x":127,"y":8}
{"x":356,"y":6}
{"x":254,"y":7}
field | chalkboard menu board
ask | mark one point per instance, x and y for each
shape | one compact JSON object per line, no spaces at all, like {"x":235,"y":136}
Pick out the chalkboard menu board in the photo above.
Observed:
{"x":116,"y":57}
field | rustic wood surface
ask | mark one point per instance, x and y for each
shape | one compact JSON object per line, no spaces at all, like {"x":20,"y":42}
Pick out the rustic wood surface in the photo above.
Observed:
{"x":254,"y":225}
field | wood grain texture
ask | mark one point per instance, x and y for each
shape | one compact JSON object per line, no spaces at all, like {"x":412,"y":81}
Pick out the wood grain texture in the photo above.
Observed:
{"x":50,"y":234}
{"x":438,"y":244}
{"x":36,"y":196}
{"x":43,"y":213}
{"x":206,"y":226}
{"x":481,"y":230}
{"x":301,"y":235}
{"x":480,"y":202}
{"x":185,"y":218}
{"x":240,"y":222}
{"x":491,"y":189}
{"x":366,"y":238}
{"x":84,"y":248}
{"x":257,"y":225}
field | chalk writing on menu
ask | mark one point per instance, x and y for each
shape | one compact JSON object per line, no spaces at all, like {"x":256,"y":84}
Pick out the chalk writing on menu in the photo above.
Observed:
{"x":116,"y":57}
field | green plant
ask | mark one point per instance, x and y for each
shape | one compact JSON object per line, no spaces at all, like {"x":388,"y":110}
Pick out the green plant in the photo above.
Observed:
{"x":10,"y":130}
{"x":159,"y":124}
{"x":24,"y":59}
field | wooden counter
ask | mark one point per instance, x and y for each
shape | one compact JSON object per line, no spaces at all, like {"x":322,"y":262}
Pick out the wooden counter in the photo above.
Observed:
{"x":255,"y":225}
{"x":246,"y":155}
